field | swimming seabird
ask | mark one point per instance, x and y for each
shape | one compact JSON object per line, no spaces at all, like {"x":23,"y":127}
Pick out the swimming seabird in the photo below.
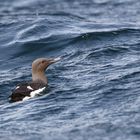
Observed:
{"x":39,"y":81}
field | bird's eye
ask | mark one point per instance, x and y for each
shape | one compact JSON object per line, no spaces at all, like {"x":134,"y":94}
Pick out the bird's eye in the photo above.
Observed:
{"x":43,"y":61}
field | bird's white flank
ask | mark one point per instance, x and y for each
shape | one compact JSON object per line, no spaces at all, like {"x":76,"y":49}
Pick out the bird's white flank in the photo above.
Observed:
{"x":34,"y":93}
{"x":29,"y":87}
{"x":17,"y":87}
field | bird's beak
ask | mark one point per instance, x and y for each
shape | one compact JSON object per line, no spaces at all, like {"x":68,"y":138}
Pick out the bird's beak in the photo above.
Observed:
{"x":53,"y":60}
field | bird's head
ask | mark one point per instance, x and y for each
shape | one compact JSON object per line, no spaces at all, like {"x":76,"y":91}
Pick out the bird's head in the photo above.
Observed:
{"x":40,"y":65}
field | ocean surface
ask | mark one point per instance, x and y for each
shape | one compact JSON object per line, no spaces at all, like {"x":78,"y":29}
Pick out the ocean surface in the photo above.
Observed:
{"x":94,"y":91}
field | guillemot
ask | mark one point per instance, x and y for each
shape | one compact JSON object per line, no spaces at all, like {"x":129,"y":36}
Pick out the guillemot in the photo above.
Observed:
{"x":27,"y":90}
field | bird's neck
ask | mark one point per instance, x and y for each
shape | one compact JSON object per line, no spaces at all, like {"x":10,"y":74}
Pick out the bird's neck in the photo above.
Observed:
{"x":39,"y":76}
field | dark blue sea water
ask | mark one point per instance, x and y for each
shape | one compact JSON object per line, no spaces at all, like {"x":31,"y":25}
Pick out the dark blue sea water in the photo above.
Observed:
{"x":94,"y":92}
